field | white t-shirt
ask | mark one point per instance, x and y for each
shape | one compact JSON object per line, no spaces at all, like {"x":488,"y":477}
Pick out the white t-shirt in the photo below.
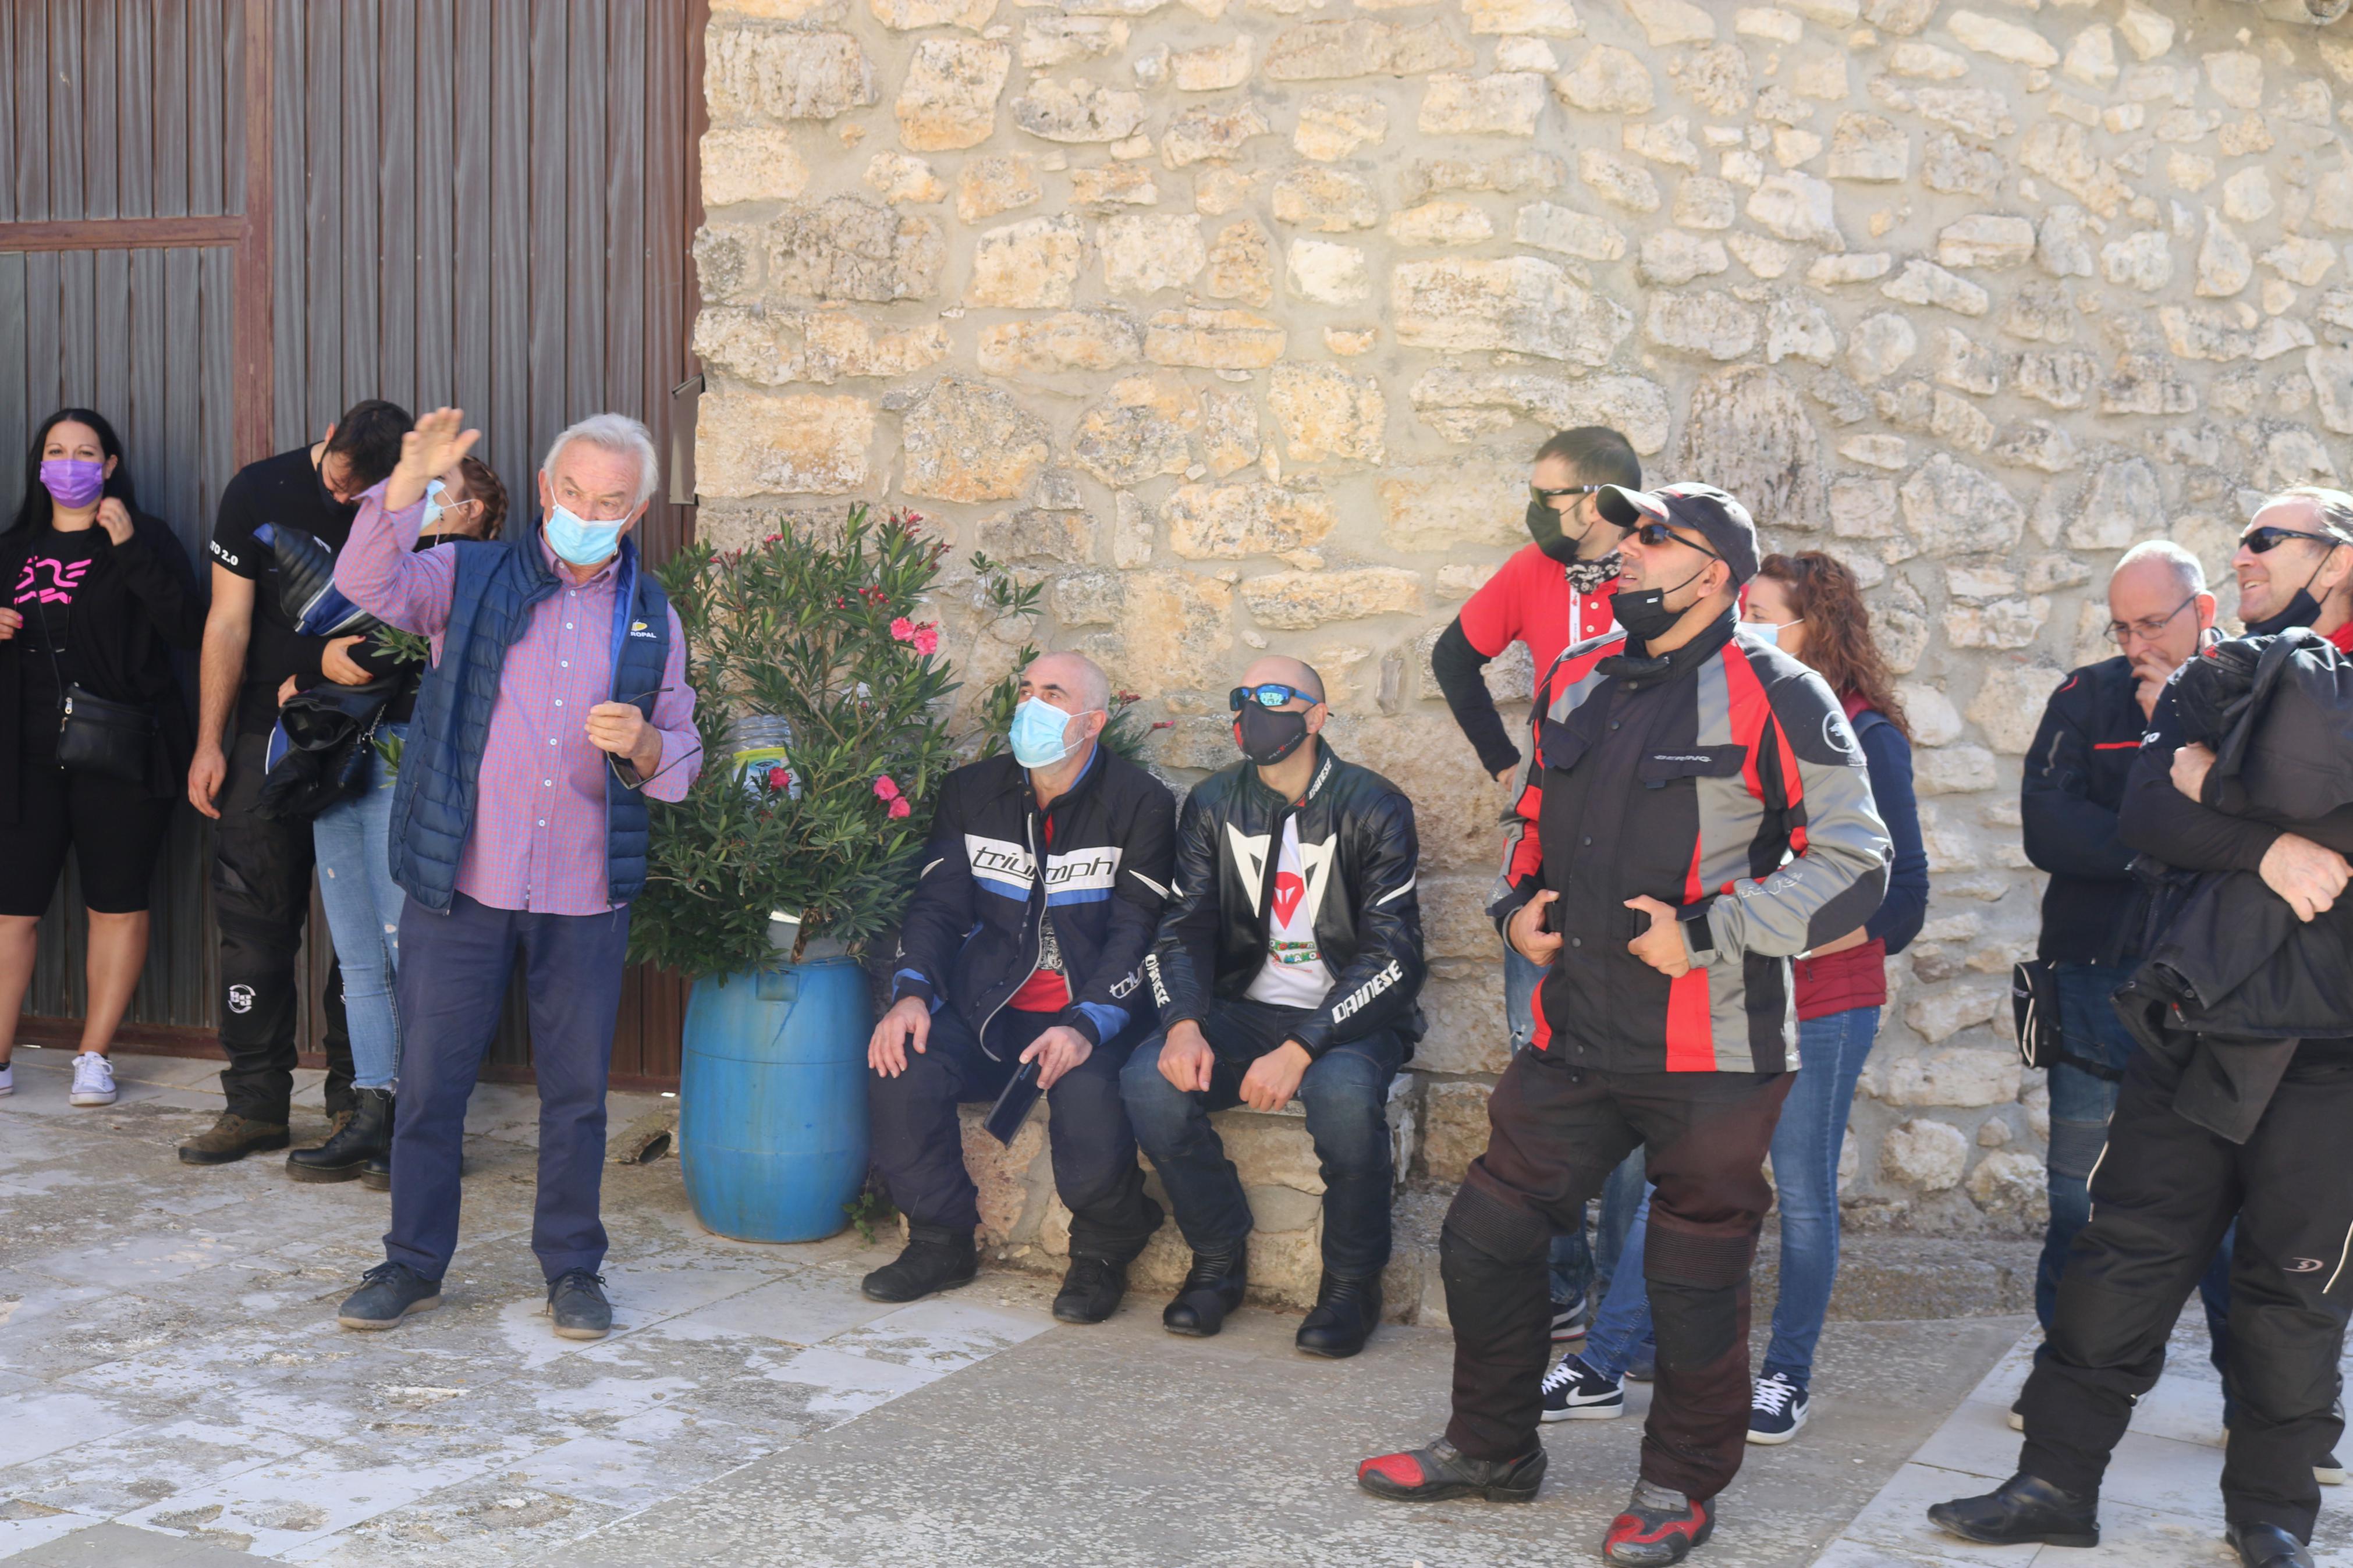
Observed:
{"x":1295,"y":974}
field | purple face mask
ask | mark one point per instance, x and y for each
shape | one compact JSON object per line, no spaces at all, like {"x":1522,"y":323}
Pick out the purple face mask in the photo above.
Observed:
{"x":72,"y":481}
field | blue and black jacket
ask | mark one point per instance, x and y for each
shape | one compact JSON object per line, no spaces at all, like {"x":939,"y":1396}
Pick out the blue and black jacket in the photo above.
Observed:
{"x":971,"y":935}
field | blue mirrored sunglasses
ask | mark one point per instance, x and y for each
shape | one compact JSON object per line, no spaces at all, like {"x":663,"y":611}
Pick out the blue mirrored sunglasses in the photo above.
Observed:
{"x":1273,"y":694}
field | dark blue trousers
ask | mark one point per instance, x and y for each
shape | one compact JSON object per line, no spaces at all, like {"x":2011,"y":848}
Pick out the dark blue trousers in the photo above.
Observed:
{"x":453,"y":976}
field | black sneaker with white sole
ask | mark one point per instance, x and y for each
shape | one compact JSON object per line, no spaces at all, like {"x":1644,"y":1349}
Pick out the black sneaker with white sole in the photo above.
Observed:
{"x":2330,"y":1471}
{"x":1777,"y":1409}
{"x":1571,"y":1318}
{"x":1575,"y":1392}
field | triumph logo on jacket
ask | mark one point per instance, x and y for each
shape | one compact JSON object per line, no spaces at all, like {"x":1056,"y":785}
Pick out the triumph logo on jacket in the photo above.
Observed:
{"x":1356,"y":1001}
{"x":1076,"y":877}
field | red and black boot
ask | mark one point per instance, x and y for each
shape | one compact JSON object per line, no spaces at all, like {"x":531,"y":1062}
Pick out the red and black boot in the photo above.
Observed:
{"x":1659,"y":1525}
{"x":1442,"y":1470}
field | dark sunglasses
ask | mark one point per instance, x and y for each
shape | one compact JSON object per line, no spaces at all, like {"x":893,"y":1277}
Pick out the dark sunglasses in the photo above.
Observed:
{"x":2265,"y":540}
{"x":1543,"y":494}
{"x":1653,"y":534}
{"x":1273,"y":694}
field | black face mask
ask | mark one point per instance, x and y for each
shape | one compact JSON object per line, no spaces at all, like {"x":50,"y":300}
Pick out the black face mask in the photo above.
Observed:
{"x":2301,"y":611}
{"x":1645,"y":614}
{"x":1267,"y":735}
{"x":1544,"y":527}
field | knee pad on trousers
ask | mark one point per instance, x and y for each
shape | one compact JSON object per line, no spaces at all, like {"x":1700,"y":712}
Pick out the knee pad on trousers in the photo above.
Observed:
{"x":2075,"y":1148}
{"x":1478,"y":1223}
{"x":1672,"y":1257}
{"x":1695,"y":1324}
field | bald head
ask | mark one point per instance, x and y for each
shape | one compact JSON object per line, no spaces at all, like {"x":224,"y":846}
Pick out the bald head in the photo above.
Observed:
{"x":1071,"y":681}
{"x":1284,"y":670}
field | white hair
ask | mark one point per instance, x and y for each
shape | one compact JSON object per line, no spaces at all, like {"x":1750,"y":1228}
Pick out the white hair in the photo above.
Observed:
{"x":612,"y":433}
{"x":2186,"y":568}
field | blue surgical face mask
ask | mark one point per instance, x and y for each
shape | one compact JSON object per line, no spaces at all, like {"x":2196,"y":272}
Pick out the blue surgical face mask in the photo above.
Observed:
{"x":1766,"y":631}
{"x":580,"y":543}
{"x":1038,"y":730}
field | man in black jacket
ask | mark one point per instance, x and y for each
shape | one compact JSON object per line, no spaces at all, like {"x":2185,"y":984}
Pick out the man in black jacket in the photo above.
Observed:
{"x":1697,"y":814}
{"x":2158,"y":611}
{"x":1041,"y":890}
{"x":1287,"y":963}
{"x":2168,"y":1186}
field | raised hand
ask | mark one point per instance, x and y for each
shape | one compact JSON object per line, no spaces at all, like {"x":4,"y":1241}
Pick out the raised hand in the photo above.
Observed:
{"x":429,"y":450}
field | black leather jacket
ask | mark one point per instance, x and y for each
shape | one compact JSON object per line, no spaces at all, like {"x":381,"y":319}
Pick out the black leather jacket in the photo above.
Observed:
{"x":1213,"y":936}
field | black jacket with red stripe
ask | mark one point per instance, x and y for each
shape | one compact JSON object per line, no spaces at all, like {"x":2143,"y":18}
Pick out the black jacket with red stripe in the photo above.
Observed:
{"x":2068,"y":804}
{"x":1723,"y":780}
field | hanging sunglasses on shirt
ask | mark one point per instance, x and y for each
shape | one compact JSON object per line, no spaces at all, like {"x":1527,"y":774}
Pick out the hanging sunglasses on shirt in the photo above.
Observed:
{"x":1273,"y":694}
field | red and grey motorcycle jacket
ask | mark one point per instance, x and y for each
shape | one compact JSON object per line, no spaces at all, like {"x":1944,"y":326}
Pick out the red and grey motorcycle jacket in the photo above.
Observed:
{"x":1722,"y":779}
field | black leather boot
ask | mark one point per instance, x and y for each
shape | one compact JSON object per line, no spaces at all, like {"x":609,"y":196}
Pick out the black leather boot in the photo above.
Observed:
{"x":2023,"y":1508}
{"x":937,"y":1257}
{"x":1211,"y":1289}
{"x":1346,"y":1314}
{"x":2266,"y":1546}
{"x":365,"y":1136}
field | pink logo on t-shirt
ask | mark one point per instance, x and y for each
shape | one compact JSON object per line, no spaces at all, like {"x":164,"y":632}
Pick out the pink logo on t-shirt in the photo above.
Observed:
{"x":64,"y":577}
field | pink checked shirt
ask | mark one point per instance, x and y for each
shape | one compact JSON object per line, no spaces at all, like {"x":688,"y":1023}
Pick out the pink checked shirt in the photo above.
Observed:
{"x":538,"y":838}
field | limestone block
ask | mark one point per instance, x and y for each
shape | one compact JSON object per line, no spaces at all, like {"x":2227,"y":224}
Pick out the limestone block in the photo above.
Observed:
{"x":1998,"y":624}
{"x":1463,"y":402}
{"x":898,"y":179}
{"x":1328,"y":273}
{"x":1212,"y":67}
{"x":1703,"y":201}
{"x":2125,"y":505}
{"x":1963,"y":1077}
{"x":755,"y":74}
{"x":1879,"y":346}
{"x":1313,"y":51}
{"x":1568,"y":232}
{"x":1768,"y":22}
{"x":966,"y":440}
{"x":1926,"y":1155}
{"x":2143,"y":260}
{"x":773,"y":347}
{"x":2059,"y":151}
{"x":1956,"y":770}
{"x":1008,"y":1175}
{"x":1925,"y":283}
{"x":1670,"y":257}
{"x":1325,"y":412}
{"x":1475,"y":504}
{"x":1958,"y":422}
{"x":750,"y":164}
{"x":1336,"y":125}
{"x":2092,"y":57}
{"x":1821,"y":77}
{"x":2247,"y":194}
{"x":1705,"y":321}
{"x":1211,"y":132}
{"x":2146,"y":33}
{"x":759,"y":443}
{"x":2004,"y":40}
{"x":1966,"y":366}
{"x":1507,"y":103}
{"x":1212,"y":339}
{"x":949,"y":99}
{"x":1059,"y":38}
{"x":1174,"y":632}
{"x":2009,"y":703}
{"x":1748,"y":432}
{"x":1229,"y":431}
{"x":1523,"y":19}
{"x":1453,"y":1129}
{"x":1518,"y":304}
{"x":1869,"y":147}
{"x":1115,"y":185}
{"x":1954,"y":167}
{"x":1914,"y":58}
{"x":2061,"y":378}
{"x":1242,"y":264}
{"x":1030,"y":264}
{"x":2237,"y":78}
{"x":1232,"y":521}
{"x":1293,"y":601}
{"x":1862,"y":507}
{"x":1143,"y":253}
{"x":904,"y":16}
{"x":1933,"y":718}
{"x":1953,"y":509}
{"x":2331,"y":371}
{"x":1511,"y":175}
{"x":1002,"y":182}
{"x":1666,"y":142}
{"x":1069,"y":340}
{"x":1138,"y":433}
{"x":2038,"y":444}
{"x":1077,"y":111}
{"x":1468,"y":1031}
{"x":849,"y":249}
{"x":1766,"y":259}
{"x":1608,"y":80}
{"x":2224,"y":263}
{"x":1670,"y":22}
{"x":1440,"y":222}
{"x":1796,"y":207}
{"x":1331,"y":201}
{"x":1986,"y":240}
{"x":2011,"y":1185}
{"x":1861,"y":267}
{"x":1035,"y":534}
{"x":1617,"y":180}
{"x":1800,"y":329}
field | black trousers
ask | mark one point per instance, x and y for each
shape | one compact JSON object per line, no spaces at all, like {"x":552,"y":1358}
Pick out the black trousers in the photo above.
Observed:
{"x":918,"y":1140}
{"x":262,"y":900}
{"x":2163,"y":1194}
{"x":1555,"y":1133}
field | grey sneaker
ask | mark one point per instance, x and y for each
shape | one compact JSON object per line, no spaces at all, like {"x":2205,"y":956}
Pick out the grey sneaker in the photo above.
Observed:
{"x":576,"y":1302}
{"x":388,"y":1292}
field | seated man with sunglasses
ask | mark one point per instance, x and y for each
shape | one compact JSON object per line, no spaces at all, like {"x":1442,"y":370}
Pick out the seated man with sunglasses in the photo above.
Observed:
{"x":1697,"y":814}
{"x":1288,"y":964}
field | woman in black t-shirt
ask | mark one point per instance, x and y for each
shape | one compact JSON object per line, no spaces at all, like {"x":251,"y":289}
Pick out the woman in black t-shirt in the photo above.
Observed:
{"x":94,"y":594}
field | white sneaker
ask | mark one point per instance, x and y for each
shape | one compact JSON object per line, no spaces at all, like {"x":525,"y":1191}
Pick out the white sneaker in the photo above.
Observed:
{"x":9,"y":1079}
{"x":93,"y":1080}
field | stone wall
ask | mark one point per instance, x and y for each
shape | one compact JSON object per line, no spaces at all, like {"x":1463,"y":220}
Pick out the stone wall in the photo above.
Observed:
{"x":1233,"y":322}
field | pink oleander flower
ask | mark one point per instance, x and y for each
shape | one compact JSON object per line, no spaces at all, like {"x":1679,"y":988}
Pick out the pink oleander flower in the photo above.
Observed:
{"x":886,"y":788}
{"x":902,"y":629}
{"x":780,"y":777}
{"x":927,"y":639}
{"x":901,"y":808}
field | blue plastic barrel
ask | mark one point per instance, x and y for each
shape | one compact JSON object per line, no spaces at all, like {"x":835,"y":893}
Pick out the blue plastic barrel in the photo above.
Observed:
{"x":772,"y":1099}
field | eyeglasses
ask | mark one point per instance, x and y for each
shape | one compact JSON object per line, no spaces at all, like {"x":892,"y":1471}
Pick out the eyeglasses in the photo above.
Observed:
{"x":1273,"y":694}
{"x":1543,"y":494}
{"x":2148,"y":629}
{"x":2265,"y":540}
{"x":1653,"y":534}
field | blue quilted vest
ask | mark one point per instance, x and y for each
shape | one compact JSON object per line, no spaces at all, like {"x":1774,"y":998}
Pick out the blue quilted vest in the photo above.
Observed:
{"x":433,"y":796}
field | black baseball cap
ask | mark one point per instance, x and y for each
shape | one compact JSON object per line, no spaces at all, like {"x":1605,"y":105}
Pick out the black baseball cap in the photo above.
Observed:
{"x":1697,"y":509}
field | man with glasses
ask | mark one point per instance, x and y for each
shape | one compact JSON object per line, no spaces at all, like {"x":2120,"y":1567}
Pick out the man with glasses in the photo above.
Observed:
{"x":1697,"y":814}
{"x":1287,"y":965}
{"x":1017,"y":977}
{"x":2159,"y":613}
{"x":1555,"y":591}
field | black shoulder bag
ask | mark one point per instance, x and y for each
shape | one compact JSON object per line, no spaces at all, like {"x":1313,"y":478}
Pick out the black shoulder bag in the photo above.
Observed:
{"x":95,"y":735}
{"x":2034,"y":1001}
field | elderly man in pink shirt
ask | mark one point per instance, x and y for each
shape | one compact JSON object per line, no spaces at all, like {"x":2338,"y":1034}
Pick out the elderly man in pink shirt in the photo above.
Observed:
{"x":556,"y":703}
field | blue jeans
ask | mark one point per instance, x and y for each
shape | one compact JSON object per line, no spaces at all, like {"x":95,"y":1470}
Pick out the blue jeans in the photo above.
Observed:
{"x":1806,"y":1141}
{"x":363,"y":904}
{"x":1345,"y":1095}
{"x":1574,"y":1264}
{"x":2081,"y":1103}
